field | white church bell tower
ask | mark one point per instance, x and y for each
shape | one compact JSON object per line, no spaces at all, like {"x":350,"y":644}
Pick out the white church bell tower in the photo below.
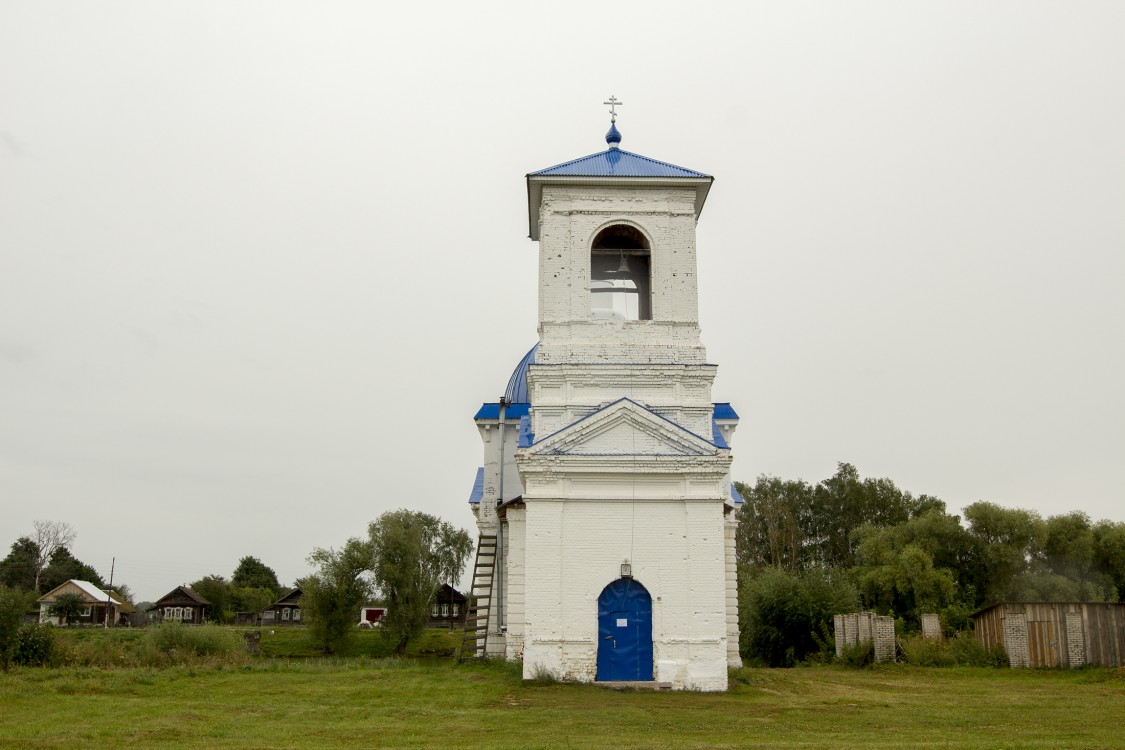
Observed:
{"x":615,"y":524}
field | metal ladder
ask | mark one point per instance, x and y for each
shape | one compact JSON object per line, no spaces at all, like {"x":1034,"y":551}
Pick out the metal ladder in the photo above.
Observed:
{"x":476,"y":619}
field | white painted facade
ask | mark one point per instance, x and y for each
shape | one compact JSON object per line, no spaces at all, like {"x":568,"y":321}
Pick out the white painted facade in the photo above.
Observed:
{"x":622,"y":465}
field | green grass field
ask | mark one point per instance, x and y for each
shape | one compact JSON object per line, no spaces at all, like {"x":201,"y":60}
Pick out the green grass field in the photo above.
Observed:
{"x":369,"y":703}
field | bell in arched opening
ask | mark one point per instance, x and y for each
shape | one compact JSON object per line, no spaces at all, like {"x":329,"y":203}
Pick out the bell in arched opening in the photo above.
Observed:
{"x":620,"y":275}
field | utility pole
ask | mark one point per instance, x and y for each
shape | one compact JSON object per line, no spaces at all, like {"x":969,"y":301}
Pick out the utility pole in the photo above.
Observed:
{"x":109,"y":594}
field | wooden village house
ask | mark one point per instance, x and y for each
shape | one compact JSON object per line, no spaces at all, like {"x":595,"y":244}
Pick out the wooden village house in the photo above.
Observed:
{"x":183,"y":605}
{"x":285,"y":611}
{"x":101,"y":607}
{"x":449,"y":608}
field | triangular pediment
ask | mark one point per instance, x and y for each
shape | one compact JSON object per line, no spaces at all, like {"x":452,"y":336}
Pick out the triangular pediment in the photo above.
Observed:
{"x":623,"y":428}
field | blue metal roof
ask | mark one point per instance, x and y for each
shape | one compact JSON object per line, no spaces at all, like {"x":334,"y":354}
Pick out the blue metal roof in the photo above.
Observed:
{"x":492,"y":411}
{"x":477,"y":492}
{"x":527,"y":437}
{"x":735,"y":495}
{"x":614,"y":162}
{"x":717,"y":436}
{"x":516,"y":392}
{"x":724,"y":411}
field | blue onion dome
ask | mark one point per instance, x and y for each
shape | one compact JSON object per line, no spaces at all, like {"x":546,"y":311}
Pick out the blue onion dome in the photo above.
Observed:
{"x":613,"y":137}
{"x":516,"y":392}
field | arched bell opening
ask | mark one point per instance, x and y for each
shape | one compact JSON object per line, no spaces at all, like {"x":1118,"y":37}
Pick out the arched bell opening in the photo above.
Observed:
{"x":620,"y":274}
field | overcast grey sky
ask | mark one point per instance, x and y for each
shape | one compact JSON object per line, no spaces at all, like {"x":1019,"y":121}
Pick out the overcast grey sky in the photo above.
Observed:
{"x":260,"y":262}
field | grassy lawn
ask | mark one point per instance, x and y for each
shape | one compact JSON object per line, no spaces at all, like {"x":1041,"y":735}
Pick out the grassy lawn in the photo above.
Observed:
{"x":324,"y":703}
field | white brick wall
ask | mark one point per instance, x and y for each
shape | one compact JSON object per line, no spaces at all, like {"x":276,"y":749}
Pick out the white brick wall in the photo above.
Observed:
{"x":1015,"y":640}
{"x":734,"y":659}
{"x":1075,"y":640}
{"x":676,"y":550}
{"x":866,"y":627}
{"x":571,"y":216}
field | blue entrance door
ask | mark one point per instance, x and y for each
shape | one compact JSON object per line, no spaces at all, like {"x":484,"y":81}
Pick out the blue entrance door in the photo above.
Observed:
{"x":624,"y":632}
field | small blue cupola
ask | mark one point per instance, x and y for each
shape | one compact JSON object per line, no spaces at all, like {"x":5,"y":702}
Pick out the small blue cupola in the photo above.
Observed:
{"x":613,"y":137}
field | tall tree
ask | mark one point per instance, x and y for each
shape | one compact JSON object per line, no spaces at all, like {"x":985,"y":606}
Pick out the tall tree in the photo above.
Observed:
{"x":13,"y":604}
{"x":252,"y":573}
{"x":64,"y":566}
{"x":1008,"y":538}
{"x":217,"y":590}
{"x":332,"y":596}
{"x":770,"y":532}
{"x":251,"y":600}
{"x":412,"y":555}
{"x":49,"y":537}
{"x":17,"y":570}
{"x":1109,"y":553}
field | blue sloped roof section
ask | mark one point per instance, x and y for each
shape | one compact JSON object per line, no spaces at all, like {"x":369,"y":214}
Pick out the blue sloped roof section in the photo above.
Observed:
{"x":617,"y":163}
{"x":477,"y":492}
{"x":717,"y":436}
{"x":735,"y":495}
{"x":516,"y":392}
{"x":527,"y":437}
{"x":724,"y":411}
{"x":492,"y":411}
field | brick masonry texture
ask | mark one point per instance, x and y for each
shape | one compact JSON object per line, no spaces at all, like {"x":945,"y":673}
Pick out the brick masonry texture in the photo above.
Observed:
{"x":866,"y":627}
{"x":1015,"y":640}
{"x":1075,"y":640}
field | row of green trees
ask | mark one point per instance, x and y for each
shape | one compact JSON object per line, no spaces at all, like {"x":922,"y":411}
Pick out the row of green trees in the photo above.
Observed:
{"x":402,"y":562}
{"x":807,"y":551}
{"x":252,"y":587}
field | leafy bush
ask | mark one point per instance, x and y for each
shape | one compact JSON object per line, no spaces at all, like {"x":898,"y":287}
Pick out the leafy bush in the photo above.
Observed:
{"x":859,"y":655}
{"x":180,"y":643}
{"x":35,"y":645}
{"x":784,"y":615}
{"x":962,"y":649}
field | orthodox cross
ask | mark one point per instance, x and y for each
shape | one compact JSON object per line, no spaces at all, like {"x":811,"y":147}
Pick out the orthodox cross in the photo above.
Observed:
{"x":612,"y":107}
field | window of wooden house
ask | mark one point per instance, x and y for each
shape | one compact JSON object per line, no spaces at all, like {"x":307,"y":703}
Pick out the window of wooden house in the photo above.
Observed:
{"x":167,"y":613}
{"x":296,"y":614}
{"x":434,"y":611}
{"x":456,"y":609}
{"x":187,"y":613}
{"x":178,"y":613}
{"x":285,"y":613}
{"x":620,"y":275}
{"x":445,"y":609}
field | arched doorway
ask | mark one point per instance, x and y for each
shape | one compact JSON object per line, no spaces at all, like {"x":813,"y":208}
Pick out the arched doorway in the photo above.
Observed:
{"x":624,"y":632}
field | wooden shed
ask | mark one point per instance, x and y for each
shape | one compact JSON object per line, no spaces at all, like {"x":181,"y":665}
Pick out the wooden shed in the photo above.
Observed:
{"x":1054,"y":634}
